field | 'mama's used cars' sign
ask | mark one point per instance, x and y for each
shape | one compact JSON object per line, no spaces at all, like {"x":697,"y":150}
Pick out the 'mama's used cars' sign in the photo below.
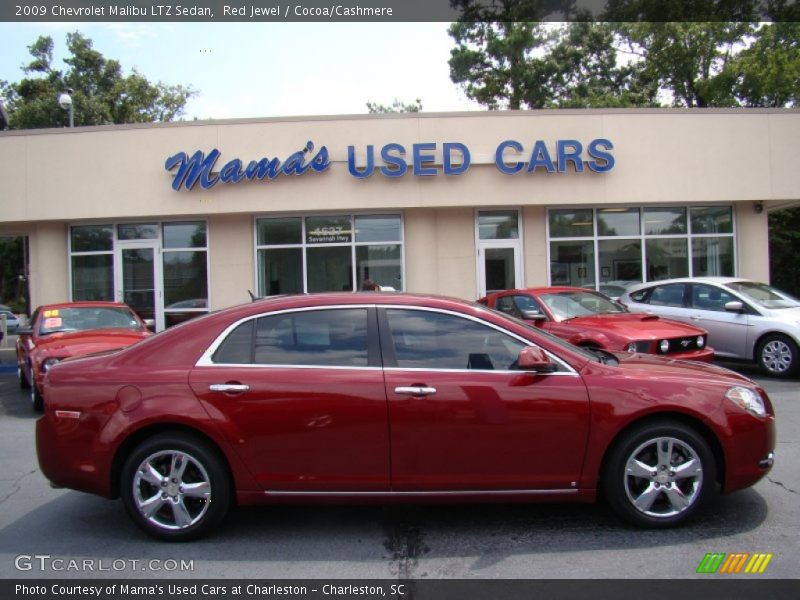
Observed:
{"x":393,"y":160}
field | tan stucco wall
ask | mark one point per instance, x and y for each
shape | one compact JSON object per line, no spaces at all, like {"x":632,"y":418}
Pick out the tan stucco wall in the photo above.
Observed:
{"x":661,"y":156}
{"x":55,"y":177}
{"x":752,"y":238}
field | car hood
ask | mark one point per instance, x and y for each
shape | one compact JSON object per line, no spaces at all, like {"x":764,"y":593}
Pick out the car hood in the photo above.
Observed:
{"x":75,"y":343}
{"x":790,"y":315}
{"x":659,"y":367}
{"x":637,"y":326}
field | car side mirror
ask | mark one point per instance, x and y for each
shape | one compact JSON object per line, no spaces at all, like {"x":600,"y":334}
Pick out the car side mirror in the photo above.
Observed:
{"x":734,"y":306}
{"x":24,"y":331}
{"x":532,"y":315}
{"x":535,"y":359}
{"x":150,"y":324}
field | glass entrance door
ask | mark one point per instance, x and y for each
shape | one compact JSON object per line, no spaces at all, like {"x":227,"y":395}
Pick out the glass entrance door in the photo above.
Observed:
{"x":138,"y":280}
{"x":498,"y":268}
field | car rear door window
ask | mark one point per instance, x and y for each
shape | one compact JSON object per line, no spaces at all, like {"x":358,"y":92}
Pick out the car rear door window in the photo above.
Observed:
{"x":668,"y":295}
{"x":324,"y":338}
{"x":433,"y":340}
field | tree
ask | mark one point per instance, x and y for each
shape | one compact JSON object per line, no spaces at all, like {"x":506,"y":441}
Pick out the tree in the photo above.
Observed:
{"x":101,"y":93}
{"x":768,"y":72}
{"x":395,"y":107}
{"x":690,"y":61}
{"x":784,"y":247}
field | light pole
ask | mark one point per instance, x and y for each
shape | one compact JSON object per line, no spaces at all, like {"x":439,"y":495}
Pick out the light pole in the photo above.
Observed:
{"x":65,"y":102}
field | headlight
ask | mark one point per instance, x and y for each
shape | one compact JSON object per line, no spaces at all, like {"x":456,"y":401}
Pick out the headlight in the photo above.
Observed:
{"x":663,"y":346}
{"x":747,"y":399}
{"x":643,"y":346}
{"x":49,"y":362}
{"x":701,"y":341}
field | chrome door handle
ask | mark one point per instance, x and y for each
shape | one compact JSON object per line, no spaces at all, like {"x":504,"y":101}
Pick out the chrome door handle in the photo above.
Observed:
{"x":415,"y":390}
{"x":696,"y":318}
{"x":229,"y":388}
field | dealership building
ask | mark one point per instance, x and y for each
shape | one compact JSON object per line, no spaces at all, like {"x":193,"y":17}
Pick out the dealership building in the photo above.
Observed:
{"x":181,"y":218}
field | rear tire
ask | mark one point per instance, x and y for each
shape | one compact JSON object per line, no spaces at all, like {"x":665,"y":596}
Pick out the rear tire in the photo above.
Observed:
{"x":37,"y":400}
{"x":175,"y":487}
{"x":777,"y":355}
{"x":659,"y":475}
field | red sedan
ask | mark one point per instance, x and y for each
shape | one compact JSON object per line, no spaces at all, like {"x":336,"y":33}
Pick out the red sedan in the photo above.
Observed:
{"x":392,"y":397}
{"x":60,"y":331}
{"x":587,"y":318}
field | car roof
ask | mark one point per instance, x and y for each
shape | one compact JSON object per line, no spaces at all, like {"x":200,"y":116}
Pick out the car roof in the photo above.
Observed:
{"x":84,"y":304}
{"x":711,"y":279}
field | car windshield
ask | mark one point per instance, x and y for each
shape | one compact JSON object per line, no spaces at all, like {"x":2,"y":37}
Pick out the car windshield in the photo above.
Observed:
{"x":570,"y":304}
{"x":764,"y":295}
{"x":81,"y":319}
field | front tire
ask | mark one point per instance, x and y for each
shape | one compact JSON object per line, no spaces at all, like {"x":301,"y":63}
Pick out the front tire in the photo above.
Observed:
{"x":659,"y":475}
{"x":777,"y":355}
{"x":24,"y":384}
{"x":175,"y":487}
{"x":37,"y":400}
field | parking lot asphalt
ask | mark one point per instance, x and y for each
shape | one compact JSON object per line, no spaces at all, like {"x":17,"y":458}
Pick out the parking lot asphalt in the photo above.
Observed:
{"x":563,"y":541}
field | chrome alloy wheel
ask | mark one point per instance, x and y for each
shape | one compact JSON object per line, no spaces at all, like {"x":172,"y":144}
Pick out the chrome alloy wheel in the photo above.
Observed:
{"x":777,"y":356}
{"x":172,"y":489}
{"x":663,"y":477}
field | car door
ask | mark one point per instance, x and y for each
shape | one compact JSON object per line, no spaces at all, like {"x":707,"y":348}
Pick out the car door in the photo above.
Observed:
{"x":727,"y":331}
{"x":462,"y":418}
{"x":300,"y":396}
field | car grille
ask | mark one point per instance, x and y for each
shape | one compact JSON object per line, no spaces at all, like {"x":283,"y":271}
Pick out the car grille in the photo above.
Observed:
{"x":684,"y":344}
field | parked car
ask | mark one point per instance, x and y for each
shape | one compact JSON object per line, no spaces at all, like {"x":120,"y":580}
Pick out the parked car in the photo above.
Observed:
{"x":392,"y":397}
{"x":745,"y":320}
{"x":590,"y":319}
{"x":60,"y":331}
{"x":12,"y":321}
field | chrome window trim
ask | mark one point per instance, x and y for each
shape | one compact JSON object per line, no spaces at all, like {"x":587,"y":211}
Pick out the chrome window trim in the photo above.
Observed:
{"x":515,"y":492}
{"x":205,"y":358}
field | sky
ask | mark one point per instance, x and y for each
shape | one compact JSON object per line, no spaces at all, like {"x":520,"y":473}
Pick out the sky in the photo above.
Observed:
{"x":244,"y":70}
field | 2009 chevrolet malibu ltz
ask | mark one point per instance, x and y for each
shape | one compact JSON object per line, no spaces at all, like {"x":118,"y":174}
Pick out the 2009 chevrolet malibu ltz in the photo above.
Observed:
{"x":385,"y":397}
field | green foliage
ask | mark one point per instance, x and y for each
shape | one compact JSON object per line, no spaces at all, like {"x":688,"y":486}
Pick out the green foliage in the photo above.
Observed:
{"x":395,"y":107}
{"x":784,"y":248}
{"x":12,"y":273}
{"x":768,"y":72}
{"x":101,"y":94}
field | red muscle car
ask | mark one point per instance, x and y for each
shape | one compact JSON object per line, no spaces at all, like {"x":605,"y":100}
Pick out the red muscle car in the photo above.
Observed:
{"x":590,"y":319}
{"x":60,"y":331}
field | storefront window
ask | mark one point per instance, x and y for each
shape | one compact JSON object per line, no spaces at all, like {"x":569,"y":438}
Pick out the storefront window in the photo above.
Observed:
{"x":712,"y":257}
{"x":659,"y":243}
{"x":92,"y":238}
{"x":618,"y":221}
{"x":185,"y":235}
{"x":712,"y":219}
{"x":620,"y":261}
{"x":498,"y":225}
{"x":280,"y":231}
{"x":93,"y":277}
{"x":664,"y":221}
{"x":571,"y":223}
{"x":572,"y":263}
{"x":323,"y":253}
{"x":666,"y":258}
{"x":137,"y":231}
{"x":280,"y":271}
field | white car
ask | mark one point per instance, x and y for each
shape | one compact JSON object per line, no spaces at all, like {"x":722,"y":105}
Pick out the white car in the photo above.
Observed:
{"x":745,"y":320}
{"x":12,"y":320}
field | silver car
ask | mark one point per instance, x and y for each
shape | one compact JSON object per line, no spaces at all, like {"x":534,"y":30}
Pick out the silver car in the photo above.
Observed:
{"x":745,"y":319}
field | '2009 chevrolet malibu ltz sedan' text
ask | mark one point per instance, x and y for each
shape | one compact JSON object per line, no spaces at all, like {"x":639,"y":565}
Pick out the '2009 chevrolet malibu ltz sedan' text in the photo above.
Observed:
{"x":392,"y":397}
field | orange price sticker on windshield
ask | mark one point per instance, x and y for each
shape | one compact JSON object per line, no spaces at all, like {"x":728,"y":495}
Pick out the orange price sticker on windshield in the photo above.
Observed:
{"x":51,"y":313}
{"x":52,"y":323}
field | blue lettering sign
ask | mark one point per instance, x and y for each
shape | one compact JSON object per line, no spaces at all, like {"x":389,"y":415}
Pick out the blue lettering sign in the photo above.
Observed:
{"x":390,"y":160}
{"x":420,"y":159}
{"x":573,"y":156}
{"x":351,"y":162}
{"x":499,"y":160}
{"x":447,"y":153}
{"x":200,"y":168}
{"x":606,"y":158}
